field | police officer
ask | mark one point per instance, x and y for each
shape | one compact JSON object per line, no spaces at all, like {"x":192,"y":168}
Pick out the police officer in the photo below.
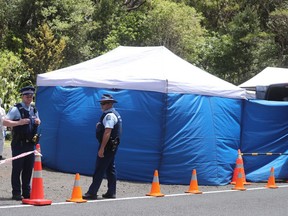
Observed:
{"x":108,"y":132}
{"x":24,"y":120}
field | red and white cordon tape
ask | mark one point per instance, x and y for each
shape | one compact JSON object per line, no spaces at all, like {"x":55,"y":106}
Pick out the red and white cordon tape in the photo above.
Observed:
{"x":20,"y":156}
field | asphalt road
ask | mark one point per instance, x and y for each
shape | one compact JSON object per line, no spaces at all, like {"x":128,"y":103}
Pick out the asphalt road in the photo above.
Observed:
{"x":253,"y":201}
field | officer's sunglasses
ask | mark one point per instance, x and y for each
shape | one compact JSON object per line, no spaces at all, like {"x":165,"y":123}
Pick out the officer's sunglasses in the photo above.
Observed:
{"x":29,"y":95}
{"x":104,"y":103}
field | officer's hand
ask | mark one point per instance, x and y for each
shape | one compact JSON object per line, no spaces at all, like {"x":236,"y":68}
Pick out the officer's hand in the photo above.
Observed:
{"x":37,"y":121}
{"x":101,"y":153}
{"x":24,"y":121}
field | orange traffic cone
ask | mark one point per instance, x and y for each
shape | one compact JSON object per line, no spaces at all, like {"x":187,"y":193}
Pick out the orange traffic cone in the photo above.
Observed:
{"x":77,"y":191}
{"x":194,"y":184}
{"x":37,"y":192}
{"x":271,"y":180}
{"x":155,"y":188}
{"x":239,"y":166}
{"x":239,"y":182}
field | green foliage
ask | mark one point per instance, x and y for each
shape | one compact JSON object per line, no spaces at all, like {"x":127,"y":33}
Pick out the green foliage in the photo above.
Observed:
{"x":109,"y":15}
{"x":127,"y":30}
{"x":13,"y":76}
{"x":233,"y":39}
{"x":161,"y":23}
{"x":217,"y":13}
{"x":239,"y":54}
{"x":45,"y":52}
{"x":72,"y":20}
{"x":175,"y":26}
{"x":278,"y":26}
{"x":216,"y":56}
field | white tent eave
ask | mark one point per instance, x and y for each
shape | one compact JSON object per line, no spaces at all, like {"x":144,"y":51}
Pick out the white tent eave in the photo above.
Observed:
{"x":142,"y":68}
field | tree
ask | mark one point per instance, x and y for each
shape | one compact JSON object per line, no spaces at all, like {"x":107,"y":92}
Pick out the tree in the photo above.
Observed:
{"x":71,"y":20}
{"x":107,"y":15}
{"x":13,"y":77}
{"x":127,"y":29}
{"x":9,"y":28}
{"x":217,"y":13}
{"x":278,"y":26}
{"x":233,"y":39}
{"x":157,"y":23}
{"x":176,"y":26}
{"x":230,"y":56}
{"x":45,"y":52}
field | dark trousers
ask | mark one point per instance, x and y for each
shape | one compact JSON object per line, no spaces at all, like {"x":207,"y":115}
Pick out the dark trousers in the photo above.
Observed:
{"x":105,"y":165}
{"x":22,"y":169}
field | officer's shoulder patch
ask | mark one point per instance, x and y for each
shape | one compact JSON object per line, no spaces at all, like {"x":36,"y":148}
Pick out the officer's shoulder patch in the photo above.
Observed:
{"x":108,"y":117}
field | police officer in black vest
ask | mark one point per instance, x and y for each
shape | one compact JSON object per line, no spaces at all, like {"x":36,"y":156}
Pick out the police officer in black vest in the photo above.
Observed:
{"x":108,"y":132}
{"x":24,"y":120}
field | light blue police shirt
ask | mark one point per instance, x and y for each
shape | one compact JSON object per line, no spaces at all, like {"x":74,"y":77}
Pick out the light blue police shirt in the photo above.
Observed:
{"x":14,"y":113}
{"x":110,"y":119}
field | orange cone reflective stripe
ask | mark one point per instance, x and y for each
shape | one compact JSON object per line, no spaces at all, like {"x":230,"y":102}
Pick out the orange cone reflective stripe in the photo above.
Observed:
{"x":155,"y":188}
{"x":239,"y":182}
{"x":239,"y":165}
{"x":193,"y":188}
{"x":77,"y":191}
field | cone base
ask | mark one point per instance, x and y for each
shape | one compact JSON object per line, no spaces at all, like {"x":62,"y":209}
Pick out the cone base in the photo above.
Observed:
{"x":37,"y":202}
{"x":155,"y":194}
{"x":245,"y":183}
{"x":194,"y":191}
{"x":237,"y":188}
{"x":79,"y":200}
{"x":272,"y":187}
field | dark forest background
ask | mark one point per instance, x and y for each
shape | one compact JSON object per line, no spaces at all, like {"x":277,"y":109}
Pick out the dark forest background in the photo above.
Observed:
{"x":232,"y":39}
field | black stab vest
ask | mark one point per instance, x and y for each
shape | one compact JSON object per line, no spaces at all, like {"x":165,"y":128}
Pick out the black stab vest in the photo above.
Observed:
{"x":24,"y":133}
{"x":116,"y":131}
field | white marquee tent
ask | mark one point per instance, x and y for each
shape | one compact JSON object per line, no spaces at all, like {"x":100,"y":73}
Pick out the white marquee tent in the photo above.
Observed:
{"x":176,"y":117}
{"x":269,"y":76}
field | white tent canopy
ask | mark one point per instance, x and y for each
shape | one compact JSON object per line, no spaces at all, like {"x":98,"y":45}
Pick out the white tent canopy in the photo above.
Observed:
{"x":180,"y":124}
{"x":141,"y":68}
{"x":269,"y":76}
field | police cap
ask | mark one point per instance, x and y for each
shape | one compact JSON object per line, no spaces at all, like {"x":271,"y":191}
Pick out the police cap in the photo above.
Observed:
{"x":27,"y":90}
{"x":107,"y":98}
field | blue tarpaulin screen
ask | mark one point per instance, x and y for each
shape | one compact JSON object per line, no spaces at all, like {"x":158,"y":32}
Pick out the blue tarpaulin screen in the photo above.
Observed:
{"x":173,"y":133}
{"x":265,"y":129}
